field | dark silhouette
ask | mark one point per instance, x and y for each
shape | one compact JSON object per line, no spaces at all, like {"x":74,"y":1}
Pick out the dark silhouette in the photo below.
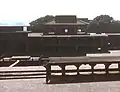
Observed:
{"x":38,"y":24}
{"x":58,"y":24}
{"x":104,"y":24}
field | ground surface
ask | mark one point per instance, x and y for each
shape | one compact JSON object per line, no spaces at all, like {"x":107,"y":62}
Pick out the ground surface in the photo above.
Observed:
{"x":38,"y":85}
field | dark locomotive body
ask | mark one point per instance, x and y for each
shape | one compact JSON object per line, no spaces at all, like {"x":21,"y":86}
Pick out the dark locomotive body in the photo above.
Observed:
{"x":23,"y":43}
{"x":113,"y":41}
{"x":64,"y":40}
{"x":13,"y":43}
{"x":66,"y":45}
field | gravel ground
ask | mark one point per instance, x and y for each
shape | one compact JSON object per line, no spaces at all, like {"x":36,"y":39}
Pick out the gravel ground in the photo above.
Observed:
{"x":38,"y":85}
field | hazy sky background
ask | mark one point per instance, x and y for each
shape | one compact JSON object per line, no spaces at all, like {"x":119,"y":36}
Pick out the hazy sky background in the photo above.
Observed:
{"x":28,"y":10}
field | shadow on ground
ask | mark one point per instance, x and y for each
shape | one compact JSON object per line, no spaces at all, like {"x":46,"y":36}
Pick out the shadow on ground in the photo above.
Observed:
{"x":70,"y":78}
{"x":84,"y":78}
{"x":21,"y":78}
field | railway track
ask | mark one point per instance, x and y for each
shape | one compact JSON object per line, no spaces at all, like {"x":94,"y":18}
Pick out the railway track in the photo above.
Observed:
{"x":26,"y":69}
{"x":20,"y":67}
{"x":22,"y":72}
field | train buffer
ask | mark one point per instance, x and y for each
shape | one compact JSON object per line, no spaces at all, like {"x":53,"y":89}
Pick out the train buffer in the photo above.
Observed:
{"x":92,"y":61}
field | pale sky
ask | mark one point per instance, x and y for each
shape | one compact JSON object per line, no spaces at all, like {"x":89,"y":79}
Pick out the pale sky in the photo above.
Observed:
{"x":28,"y":10}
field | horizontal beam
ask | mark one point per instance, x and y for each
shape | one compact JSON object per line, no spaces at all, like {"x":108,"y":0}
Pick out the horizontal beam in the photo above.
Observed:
{"x":84,"y":70}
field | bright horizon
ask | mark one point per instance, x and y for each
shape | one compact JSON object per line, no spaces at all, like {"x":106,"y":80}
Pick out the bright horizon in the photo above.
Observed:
{"x":28,"y":10}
